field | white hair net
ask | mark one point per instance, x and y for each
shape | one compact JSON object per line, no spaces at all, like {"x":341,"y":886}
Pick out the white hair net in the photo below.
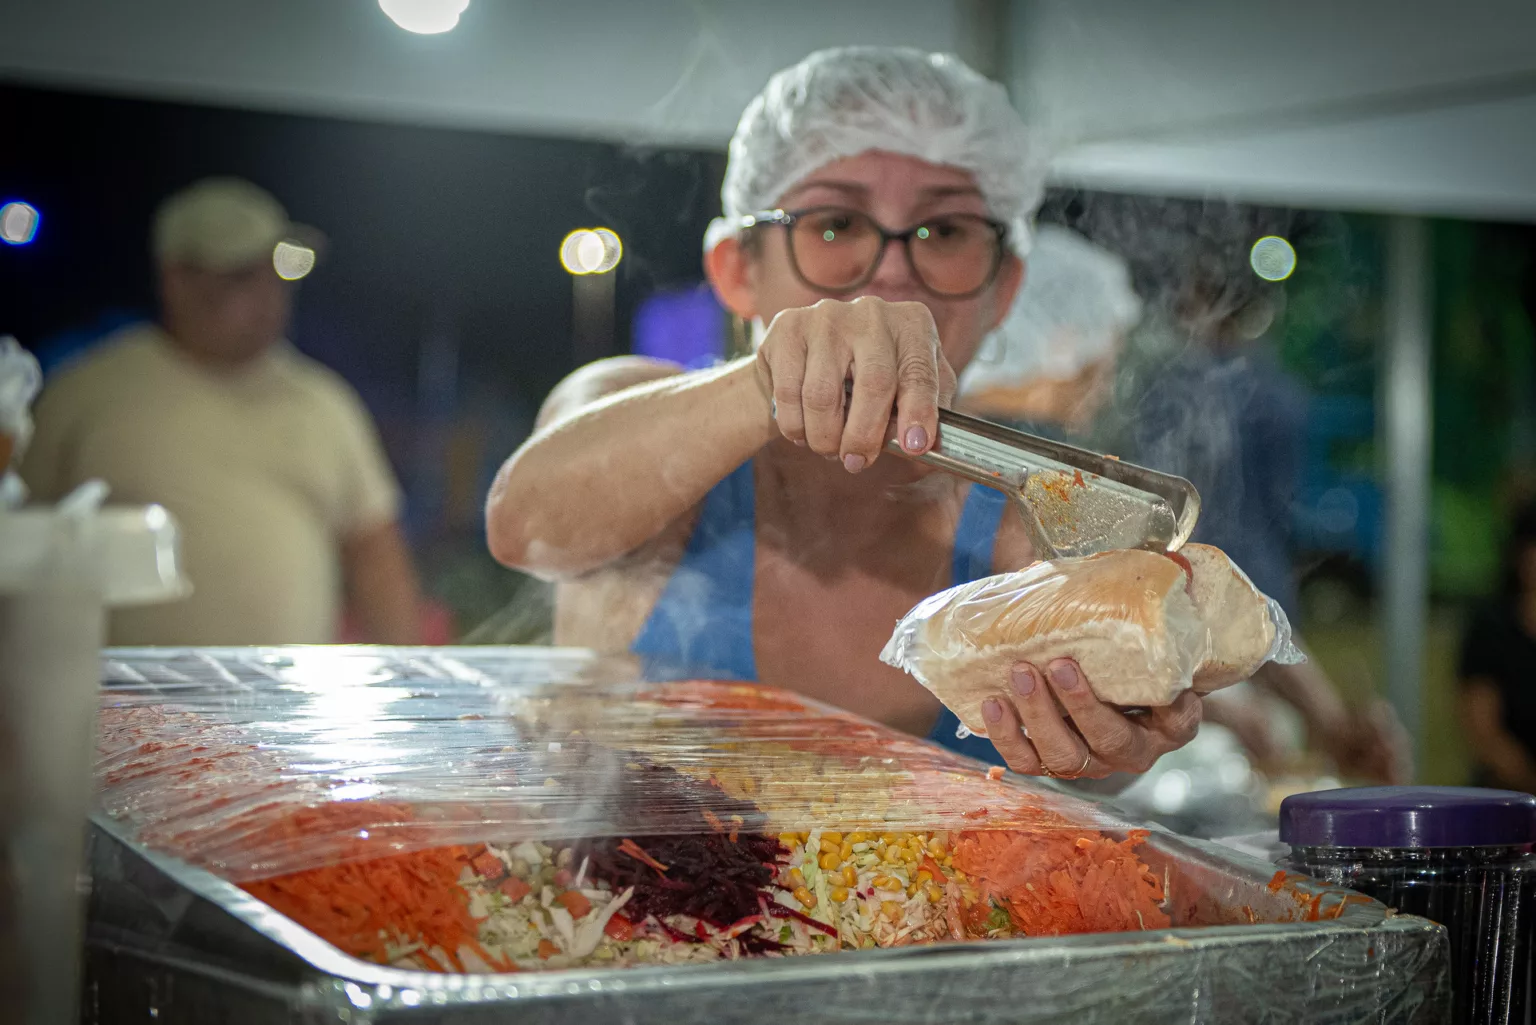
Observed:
{"x":845,"y":101}
{"x":1076,"y":303}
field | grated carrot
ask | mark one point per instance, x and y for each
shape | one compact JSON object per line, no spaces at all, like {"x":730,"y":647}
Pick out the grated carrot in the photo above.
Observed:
{"x":1056,"y":882}
{"x":359,"y":906}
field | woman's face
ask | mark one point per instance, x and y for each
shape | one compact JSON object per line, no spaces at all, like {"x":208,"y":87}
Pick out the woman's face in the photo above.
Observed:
{"x":897,"y":192}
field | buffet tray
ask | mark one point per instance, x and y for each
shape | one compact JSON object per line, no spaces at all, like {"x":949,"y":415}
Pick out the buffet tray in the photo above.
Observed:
{"x":171,"y":942}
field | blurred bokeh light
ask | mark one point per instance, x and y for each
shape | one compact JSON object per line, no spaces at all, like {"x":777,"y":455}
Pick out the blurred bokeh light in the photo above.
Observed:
{"x":591,"y":251}
{"x":424,"y":17}
{"x":18,"y":223}
{"x":1272,"y":258}
{"x":292,"y":260}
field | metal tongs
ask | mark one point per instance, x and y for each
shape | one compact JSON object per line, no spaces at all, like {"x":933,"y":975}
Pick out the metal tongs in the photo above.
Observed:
{"x":1073,"y":501}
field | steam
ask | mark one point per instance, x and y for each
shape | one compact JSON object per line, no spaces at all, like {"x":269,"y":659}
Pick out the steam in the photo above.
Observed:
{"x":1200,"y":391}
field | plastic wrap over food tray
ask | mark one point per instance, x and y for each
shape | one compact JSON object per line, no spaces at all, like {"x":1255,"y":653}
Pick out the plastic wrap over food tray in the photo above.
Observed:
{"x":450,"y":746}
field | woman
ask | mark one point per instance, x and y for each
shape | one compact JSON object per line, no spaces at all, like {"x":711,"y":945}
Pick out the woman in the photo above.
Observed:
{"x":747,"y":518}
{"x":1498,"y":671}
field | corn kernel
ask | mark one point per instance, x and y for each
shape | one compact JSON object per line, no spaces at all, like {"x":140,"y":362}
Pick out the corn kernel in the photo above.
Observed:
{"x":828,"y":861}
{"x":882,"y":882}
{"x":924,"y":876}
{"x":796,"y":879}
{"x":936,"y":847}
{"x":839,"y":894}
{"x":850,"y":876}
{"x":891,"y":856}
{"x":836,"y":838}
{"x":934,"y":894}
{"x":910,"y":856}
{"x":828,"y":846}
{"x":889,"y":838}
{"x":890,"y":909}
{"x":912,"y":890}
{"x":789,"y":839}
{"x":845,"y":851}
{"x":915,"y":843}
{"x":858,"y":837}
{"x":805,"y":897}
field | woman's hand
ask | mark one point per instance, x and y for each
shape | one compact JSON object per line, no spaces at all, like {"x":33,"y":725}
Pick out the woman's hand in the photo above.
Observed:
{"x":1093,"y":739}
{"x":891,"y":353}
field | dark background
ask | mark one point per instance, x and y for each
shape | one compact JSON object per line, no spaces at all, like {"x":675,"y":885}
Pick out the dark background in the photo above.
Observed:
{"x":430,"y":230}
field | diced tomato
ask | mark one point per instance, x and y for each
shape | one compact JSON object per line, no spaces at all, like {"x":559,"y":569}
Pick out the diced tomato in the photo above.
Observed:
{"x":488,"y":866}
{"x":975,"y":917}
{"x":933,"y":868}
{"x":575,"y":902}
{"x":547,"y":949}
{"x":619,"y":928}
{"x":515,"y":888}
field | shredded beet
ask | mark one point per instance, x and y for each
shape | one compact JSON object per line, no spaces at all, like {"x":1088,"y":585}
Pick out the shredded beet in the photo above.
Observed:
{"x":708,"y":874}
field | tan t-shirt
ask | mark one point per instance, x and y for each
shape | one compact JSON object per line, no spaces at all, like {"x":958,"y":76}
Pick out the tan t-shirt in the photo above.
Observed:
{"x":267,"y":470}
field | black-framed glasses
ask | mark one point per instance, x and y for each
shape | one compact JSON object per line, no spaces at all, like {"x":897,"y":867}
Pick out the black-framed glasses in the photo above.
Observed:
{"x":837,"y":249}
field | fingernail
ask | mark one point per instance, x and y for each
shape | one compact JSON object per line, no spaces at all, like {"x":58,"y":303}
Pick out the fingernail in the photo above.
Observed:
{"x":1064,"y":675}
{"x":1023,"y":681}
{"x":992,"y":709}
{"x":917,"y":438}
{"x":853,"y":462}
{"x":800,"y":442}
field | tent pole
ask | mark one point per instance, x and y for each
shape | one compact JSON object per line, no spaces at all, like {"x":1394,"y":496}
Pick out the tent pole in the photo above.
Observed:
{"x":1407,"y":421}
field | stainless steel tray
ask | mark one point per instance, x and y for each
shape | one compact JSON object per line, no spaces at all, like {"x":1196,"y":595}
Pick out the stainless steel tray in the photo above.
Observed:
{"x":169,"y":942}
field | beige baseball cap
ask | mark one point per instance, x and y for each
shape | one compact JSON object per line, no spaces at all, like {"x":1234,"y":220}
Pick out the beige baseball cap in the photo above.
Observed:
{"x":228,"y":224}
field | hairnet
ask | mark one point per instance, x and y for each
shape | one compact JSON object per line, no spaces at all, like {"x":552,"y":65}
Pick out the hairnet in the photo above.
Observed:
{"x":840,"y":102}
{"x":1076,"y":301}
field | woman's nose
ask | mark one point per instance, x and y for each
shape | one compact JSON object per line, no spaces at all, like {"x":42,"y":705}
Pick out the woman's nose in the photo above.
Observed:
{"x":893,"y":270}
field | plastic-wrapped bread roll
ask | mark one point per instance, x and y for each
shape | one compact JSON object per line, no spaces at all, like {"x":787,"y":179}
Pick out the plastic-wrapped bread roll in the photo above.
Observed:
{"x":1143,"y":626}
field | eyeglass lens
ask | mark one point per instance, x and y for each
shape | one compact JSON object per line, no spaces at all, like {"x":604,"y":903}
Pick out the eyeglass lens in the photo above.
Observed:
{"x":837,"y":249}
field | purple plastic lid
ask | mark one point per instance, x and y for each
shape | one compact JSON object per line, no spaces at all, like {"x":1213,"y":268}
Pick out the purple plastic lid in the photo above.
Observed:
{"x":1408,"y":817}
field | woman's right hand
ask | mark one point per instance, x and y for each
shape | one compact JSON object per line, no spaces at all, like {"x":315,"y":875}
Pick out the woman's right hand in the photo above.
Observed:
{"x":890,"y":352}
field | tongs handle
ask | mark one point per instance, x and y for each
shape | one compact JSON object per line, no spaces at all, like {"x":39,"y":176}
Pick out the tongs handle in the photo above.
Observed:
{"x":1074,"y":501}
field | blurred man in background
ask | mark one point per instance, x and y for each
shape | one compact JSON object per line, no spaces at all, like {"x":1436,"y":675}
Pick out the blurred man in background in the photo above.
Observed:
{"x":1216,"y":407}
{"x":1220,"y":411}
{"x":268,"y":461}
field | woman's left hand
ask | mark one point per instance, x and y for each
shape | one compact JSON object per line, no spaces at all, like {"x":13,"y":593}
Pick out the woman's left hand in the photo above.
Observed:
{"x":1092,"y":739}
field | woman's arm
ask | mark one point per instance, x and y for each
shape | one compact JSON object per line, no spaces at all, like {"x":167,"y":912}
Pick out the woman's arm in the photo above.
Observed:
{"x":1482,"y":716}
{"x":624,"y":447}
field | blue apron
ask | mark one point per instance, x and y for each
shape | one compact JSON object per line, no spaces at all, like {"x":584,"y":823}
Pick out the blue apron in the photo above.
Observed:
{"x":703,"y":618}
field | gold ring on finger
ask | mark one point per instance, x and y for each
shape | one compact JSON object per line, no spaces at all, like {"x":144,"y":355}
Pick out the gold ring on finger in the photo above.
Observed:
{"x":1080,"y":769}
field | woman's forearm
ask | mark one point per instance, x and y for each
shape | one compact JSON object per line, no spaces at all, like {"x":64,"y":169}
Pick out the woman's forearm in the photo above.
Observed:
{"x":614,"y":474}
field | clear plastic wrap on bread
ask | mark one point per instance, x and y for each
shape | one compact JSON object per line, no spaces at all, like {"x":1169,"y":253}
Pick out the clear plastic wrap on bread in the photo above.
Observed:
{"x":1143,"y":626}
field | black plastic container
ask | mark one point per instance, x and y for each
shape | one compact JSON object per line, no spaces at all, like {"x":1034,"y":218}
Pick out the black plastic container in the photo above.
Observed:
{"x":1459,"y":856}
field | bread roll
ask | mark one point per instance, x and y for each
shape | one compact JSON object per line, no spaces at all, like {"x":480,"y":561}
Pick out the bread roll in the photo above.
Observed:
{"x":1142,"y":627}
{"x":1241,"y":624}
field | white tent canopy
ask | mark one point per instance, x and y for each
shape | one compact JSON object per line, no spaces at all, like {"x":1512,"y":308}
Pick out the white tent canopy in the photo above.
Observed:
{"x":1408,"y":106}
{"x":665,"y":71}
